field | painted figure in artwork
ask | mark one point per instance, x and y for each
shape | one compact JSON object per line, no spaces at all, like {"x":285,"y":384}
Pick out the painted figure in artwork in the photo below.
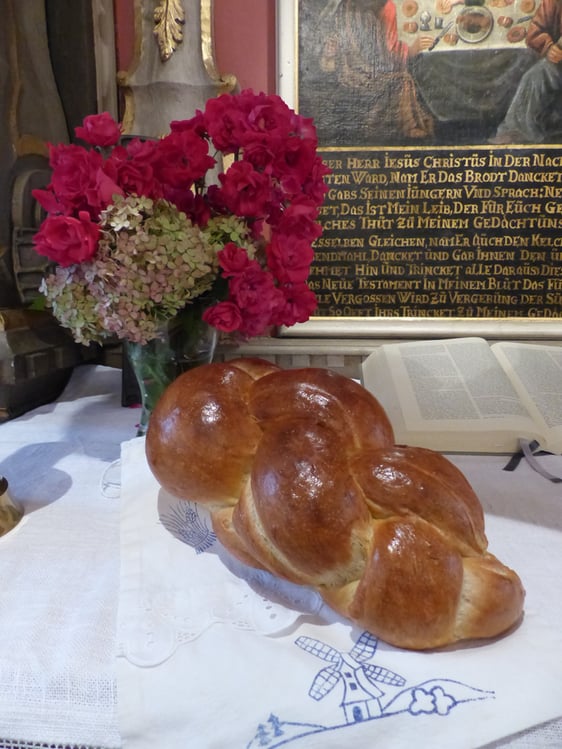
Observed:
{"x":535,"y":113}
{"x":370,"y":64}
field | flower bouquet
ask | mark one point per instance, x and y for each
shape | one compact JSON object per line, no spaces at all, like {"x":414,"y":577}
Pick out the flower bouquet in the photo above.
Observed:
{"x":212,"y":224}
{"x":140,"y":230}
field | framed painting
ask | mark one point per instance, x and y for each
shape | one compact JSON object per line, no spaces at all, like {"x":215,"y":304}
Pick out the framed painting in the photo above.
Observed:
{"x":441,"y":121}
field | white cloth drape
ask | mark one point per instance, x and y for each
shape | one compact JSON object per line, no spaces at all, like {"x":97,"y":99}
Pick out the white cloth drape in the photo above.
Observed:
{"x":191,"y":678}
{"x":208,"y":655}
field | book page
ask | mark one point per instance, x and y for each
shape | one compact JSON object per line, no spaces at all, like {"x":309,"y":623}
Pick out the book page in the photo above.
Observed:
{"x":448,"y":395}
{"x":536,"y":372}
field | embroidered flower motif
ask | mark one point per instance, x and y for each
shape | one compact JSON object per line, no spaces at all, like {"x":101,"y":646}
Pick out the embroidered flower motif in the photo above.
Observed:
{"x":435,"y":700}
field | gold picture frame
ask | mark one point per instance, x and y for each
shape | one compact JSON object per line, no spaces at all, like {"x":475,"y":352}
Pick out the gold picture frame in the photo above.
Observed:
{"x":500,"y":200}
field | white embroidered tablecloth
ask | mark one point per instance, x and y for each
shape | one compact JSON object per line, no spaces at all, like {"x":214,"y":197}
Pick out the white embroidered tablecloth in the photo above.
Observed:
{"x":209,"y":650}
{"x":59,"y":568}
{"x":213,"y":654}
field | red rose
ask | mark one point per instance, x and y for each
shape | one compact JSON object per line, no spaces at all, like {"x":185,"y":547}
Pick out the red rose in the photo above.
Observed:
{"x":225,"y":122}
{"x":252,"y":289}
{"x":269,"y":117}
{"x":314,"y":186}
{"x":141,"y":150}
{"x":299,"y":218}
{"x":215,"y":200}
{"x":195,"y":207}
{"x":99,"y":130}
{"x":102,"y":189}
{"x":295,"y":160}
{"x":289,"y":258}
{"x":195,"y":123}
{"x":182,"y":158}
{"x":130,"y":167}
{"x":48,"y":201}
{"x":67,"y":240}
{"x":233,"y":260}
{"x":299,"y":303}
{"x":136,"y":177}
{"x":73,"y":168}
{"x":260,"y":155}
{"x":304,"y":127}
{"x":245,"y":192}
{"x":223,"y":316}
{"x":256,"y":319}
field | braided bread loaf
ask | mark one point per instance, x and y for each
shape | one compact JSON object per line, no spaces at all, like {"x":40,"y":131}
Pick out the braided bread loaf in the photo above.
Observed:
{"x":302,"y":477}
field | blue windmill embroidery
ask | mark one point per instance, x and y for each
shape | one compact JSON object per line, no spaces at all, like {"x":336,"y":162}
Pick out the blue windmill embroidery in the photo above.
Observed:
{"x":361,"y":693}
{"x":363,"y":699}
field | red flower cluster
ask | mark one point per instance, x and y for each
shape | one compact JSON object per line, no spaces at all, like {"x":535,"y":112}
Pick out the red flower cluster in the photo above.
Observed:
{"x":274,"y":184}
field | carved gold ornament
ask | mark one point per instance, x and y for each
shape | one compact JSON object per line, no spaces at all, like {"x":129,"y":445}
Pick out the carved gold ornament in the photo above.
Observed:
{"x":169,"y":19}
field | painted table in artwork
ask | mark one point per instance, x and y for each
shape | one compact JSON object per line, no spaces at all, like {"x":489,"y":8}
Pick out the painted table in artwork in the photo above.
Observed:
{"x":478,"y":57}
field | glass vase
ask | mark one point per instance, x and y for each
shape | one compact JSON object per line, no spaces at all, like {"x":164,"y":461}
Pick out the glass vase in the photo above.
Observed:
{"x":184,"y":342}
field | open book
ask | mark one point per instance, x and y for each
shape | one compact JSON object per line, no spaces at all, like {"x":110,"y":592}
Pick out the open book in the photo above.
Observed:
{"x":465,"y":395}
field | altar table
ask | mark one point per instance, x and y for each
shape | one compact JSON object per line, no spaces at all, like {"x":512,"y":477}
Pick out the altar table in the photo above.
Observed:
{"x":64,"y":680}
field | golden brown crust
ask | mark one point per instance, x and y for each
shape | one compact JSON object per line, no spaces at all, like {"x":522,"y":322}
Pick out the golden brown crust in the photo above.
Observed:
{"x":492,"y":598}
{"x":224,"y":530}
{"x":410,"y":589}
{"x":203,"y":417}
{"x":331,"y":398}
{"x":306,"y":504}
{"x":412,"y":480}
{"x":304,"y":480}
